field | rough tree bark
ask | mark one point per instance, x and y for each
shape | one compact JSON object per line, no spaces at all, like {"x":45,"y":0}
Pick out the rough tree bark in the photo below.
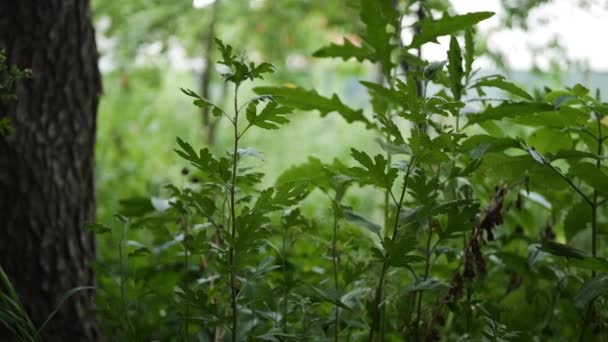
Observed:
{"x":46,"y":165}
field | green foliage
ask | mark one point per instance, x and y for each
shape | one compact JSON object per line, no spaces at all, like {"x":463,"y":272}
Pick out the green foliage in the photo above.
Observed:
{"x":479,"y":222}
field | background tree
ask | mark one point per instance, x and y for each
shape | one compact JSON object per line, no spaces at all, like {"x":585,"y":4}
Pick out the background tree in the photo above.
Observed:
{"x":46,"y":165}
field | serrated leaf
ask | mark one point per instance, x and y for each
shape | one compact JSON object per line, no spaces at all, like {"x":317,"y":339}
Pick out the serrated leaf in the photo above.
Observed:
{"x":469,"y":48}
{"x":565,"y":116}
{"x":509,"y":110}
{"x":431,"y":29}
{"x":376,"y":15}
{"x":311,"y":100}
{"x":346,"y":51}
{"x":271,"y":116}
{"x":226,"y":51}
{"x":263,"y":68}
{"x":591,"y":290}
{"x":398,"y":250}
{"x":500,"y":83}
{"x":375,"y":172}
{"x":455,"y":69}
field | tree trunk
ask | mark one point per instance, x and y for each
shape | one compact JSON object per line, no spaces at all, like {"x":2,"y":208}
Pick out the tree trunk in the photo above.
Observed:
{"x":46,"y":165}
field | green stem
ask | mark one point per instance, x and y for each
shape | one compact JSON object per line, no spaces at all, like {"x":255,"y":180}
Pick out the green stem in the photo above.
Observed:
{"x":572,"y":185}
{"x":285,"y":289}
{"x":186,"y":266}
{"x":426,"y":275}
{"x":594,"y":206}
{"x":595,"y":194}
{"x":376,"y":321}
{"x":232,"y":261}
{"x":581,"y":337}
{"x":336,"y":263}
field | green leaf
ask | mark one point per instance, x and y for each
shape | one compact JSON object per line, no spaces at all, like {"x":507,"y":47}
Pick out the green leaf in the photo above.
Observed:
{"x":479,"y":145}
{"x":549,"y":140}
{"x":204,"y":161}
{"x":509,"y":110}
{"x":376,"y":15}
{"x":469,"y":50}
{"x":311,"y":100}
{"x":313,"y":171}
{"x":387,"y":93}
{"x":591,"y":290}
{"x":140,"y":251}
{"x":226,"y":51}
{"x":560,"y":249}
{"x":375,"y":172}
{"x":98,"y":228}
{"x":398,"y":250}
{"x":571,"y":155}
{"x":201,"y":102}
{"x":431,"y":70}
{"x":431,"y":29}
{"x":563,"y":100}
{"x":136,"y":206}
{"x":565,"y":116}
{"x":590,"y":174}
{"x":514,"y":168}
{"x":271,"y":116}
{"x":499,"y":82}
{"x":326,"y":298}
{"x":577,"y":218}
{"x":430,"y":284}
{"x":346,"y":51}
{"x":263,"y":68}
{"x":455,"y":68}
{"x":537,"y":156}
{"x":361,"y":221}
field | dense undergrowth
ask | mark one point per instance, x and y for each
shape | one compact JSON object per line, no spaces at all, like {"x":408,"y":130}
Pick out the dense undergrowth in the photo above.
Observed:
{"x":481,"y":219}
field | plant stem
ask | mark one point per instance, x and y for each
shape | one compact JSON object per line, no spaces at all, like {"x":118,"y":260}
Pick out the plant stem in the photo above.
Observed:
{"x":594,"y":206}
{"x":285,"y":289}
{"x":232,"y":261}
{"x":376,"y":321}
{"x":581,"y":337}
{"x":572,"y":185}
{"x":336,"y":262}
{"x":426,"y":275}
{"x":123,"y":299}
{"x":595,"y":194}
{"x":184,"y":223}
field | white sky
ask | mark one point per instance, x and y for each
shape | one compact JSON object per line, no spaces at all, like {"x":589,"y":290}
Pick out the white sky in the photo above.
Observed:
{"x":581,"y":31}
